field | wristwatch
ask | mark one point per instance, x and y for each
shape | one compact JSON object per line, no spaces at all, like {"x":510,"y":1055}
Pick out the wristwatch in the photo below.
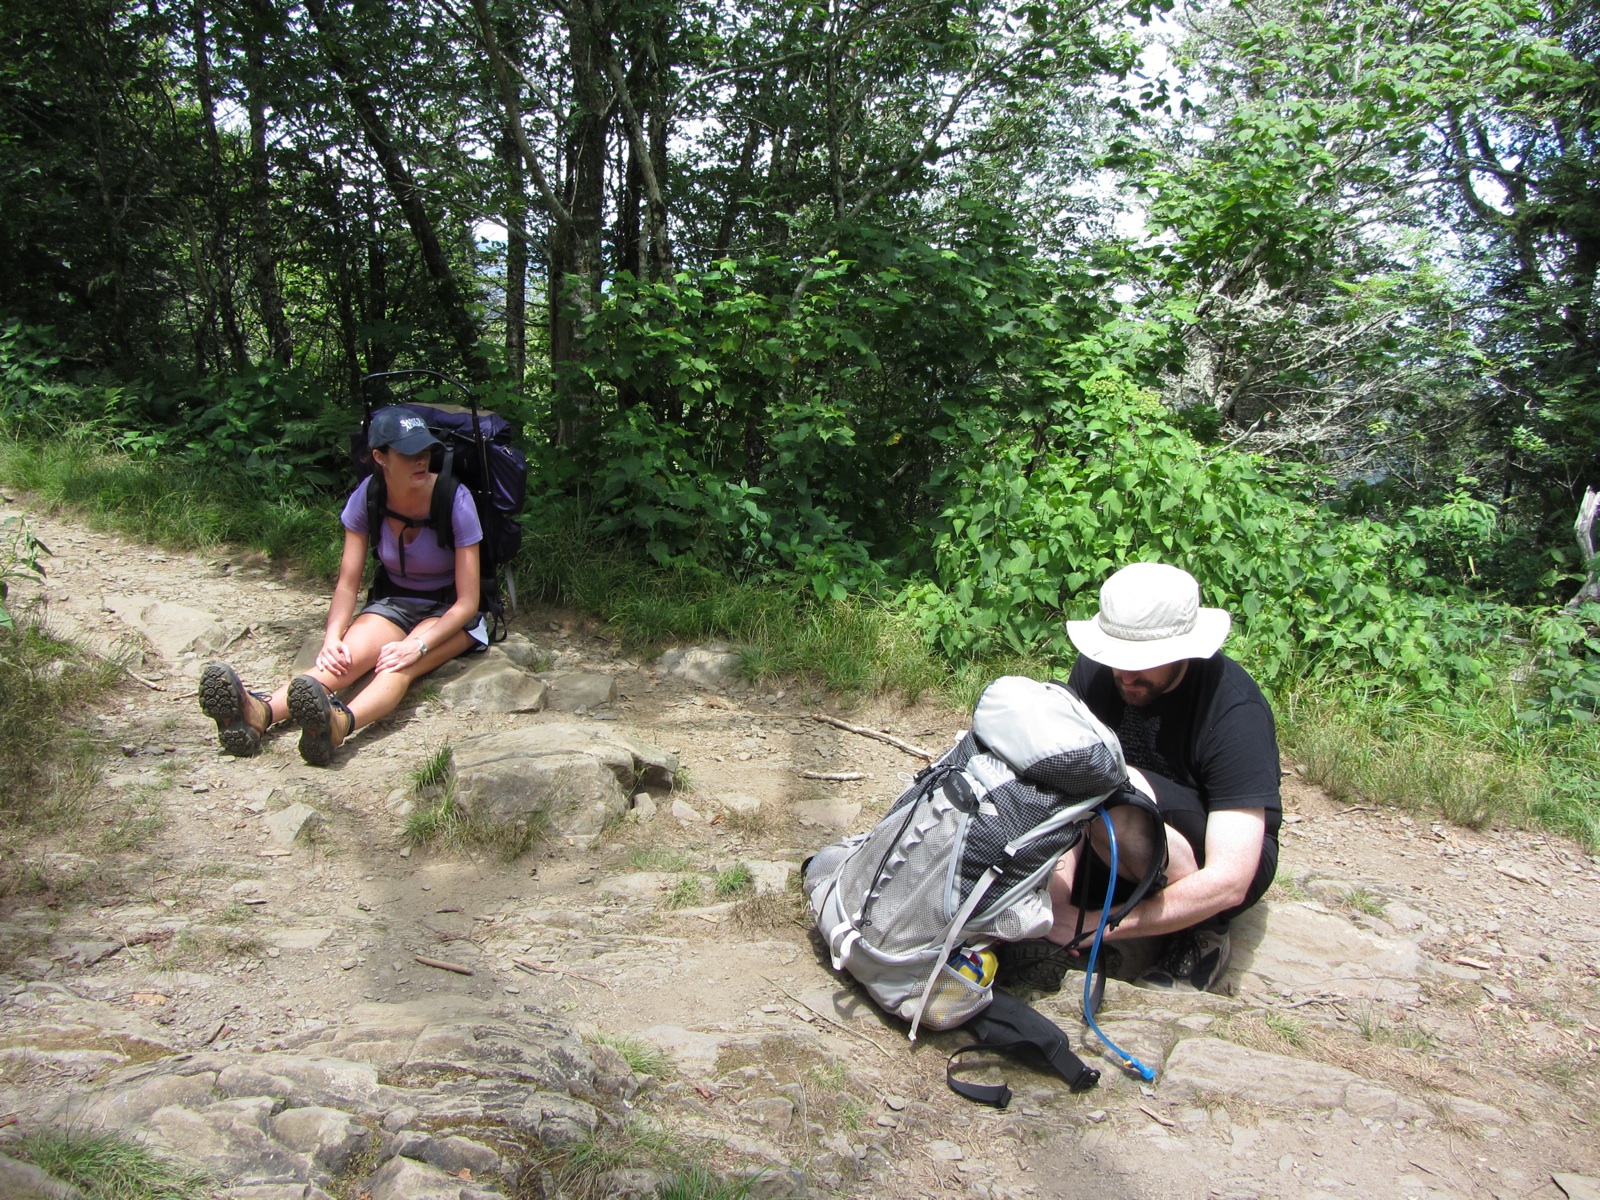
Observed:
{"x":422,"y":648}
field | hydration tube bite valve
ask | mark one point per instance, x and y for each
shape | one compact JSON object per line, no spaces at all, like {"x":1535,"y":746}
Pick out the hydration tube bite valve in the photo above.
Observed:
{"x":1128,"y":1061}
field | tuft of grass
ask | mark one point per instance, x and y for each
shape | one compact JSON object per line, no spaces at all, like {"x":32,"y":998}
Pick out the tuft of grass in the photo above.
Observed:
{"x":697,"y":1183}
{"x":1292,"y":1030}
{"x":108,"y":1166}
{"x":733,"y":881}
{"x":436,"y":772}
{"x":445,"y":822}
{"x":773,"y":913}
{"x":642,"y":1057}
{"x":662,"y":858}
{"x":686,"y":893}
{"x":1363,"y":901}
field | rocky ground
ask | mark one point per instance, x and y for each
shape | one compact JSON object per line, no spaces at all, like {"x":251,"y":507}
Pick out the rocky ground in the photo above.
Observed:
{"x":224,"y":957}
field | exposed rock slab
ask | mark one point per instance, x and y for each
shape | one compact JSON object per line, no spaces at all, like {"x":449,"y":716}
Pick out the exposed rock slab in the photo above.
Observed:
{"x":578,"y":777}
{"x":494,"y":684}
{"x":581,"y":690}
{"x":293,"y":822}
{"x":24,"y":1181}
{"x":173,"y":629}
{"x":712,"y":665}
{"x":834,"y":814}
{"x":1297,"y":946}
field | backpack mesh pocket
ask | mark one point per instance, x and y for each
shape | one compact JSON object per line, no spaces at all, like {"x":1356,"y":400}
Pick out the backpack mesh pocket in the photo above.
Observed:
{"x":954,"y":999}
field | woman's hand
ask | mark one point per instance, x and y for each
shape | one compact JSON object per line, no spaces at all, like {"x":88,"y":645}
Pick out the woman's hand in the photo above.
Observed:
{"x":334,"y":657}
{"x":396,"y":655}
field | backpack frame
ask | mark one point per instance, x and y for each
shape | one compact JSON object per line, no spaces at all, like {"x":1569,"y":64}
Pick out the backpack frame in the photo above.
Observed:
{"x":476,"y":453}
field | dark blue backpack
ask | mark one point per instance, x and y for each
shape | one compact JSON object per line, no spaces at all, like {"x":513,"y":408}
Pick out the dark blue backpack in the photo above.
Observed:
{"x":476,"y":453}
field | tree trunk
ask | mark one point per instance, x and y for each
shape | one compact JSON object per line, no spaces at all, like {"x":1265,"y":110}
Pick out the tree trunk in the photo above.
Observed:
{"x":516,"y":214}
{"x":231,"y":334}
{"x":403,"y":186}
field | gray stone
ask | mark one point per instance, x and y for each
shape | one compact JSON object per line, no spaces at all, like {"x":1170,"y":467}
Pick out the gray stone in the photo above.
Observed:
{"x":1294,"y":945}
{"x":523,"y":652}
{"x":87,"y":954}
{"x":228,"y":1144}
{"x":1204,"y":1066}
{"x":24,"y":1181}
{"x":631,"y":1183}
{"x":775,"y":1111}
{"x":578,"y":777}
{"x":532,"y":1051}
{"x":304,"y":1080}
{"x":130,"y":1106}
{"x":408,"y":1179}
{"x":329,"y":1136}
{"x":293,"y":822}
{"x":299,"y":939}
{"x":695,"y":1052}
{"x":771,"y":878}
{"x":557,"y":1120}
{"x":495,"y":685}
{"x":942,"y":1151}
{"x":686,"y":812}
{"x":644,"y":807}
{"x":1578,"y":1187}
{"x":834,"y":814}
{"x":741,"y":804}
{"x":773,"y":1183}
{"x":173,"y":629}
{"x":713,"y":665}
{"x":455,"y":1154}
{"x":647,"y":885}
{"x":581,"y":689}
{"x":306,"y":657}
{"x":274,"y":1191}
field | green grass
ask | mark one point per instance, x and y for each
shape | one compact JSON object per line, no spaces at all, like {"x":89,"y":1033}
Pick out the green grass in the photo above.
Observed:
{"x":443,"y":821}
{"x":643,"y":1058}
{"x":435,"y":773}
{"x":686,"y":893}
{"x":662,"y":858}
{"x":1363,"y":901}
{"x":640,"y":1142}
{"x":108,"y":1166}
{"x":733,"y":881}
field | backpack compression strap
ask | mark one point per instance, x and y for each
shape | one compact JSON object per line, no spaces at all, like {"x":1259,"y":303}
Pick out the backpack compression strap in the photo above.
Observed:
{"x":1010,"y":1025}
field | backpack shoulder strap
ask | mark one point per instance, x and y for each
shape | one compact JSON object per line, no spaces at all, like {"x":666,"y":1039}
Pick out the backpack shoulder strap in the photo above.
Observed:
{"x":441,"y":509}
{"x":1012,"y":1026}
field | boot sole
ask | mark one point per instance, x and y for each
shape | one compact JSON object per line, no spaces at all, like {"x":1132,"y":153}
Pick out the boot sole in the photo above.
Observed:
{"x":222,"y":699}
{"x":308,"y":705}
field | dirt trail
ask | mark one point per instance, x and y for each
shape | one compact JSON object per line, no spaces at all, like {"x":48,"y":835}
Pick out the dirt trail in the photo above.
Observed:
{"x":1460,"y":964}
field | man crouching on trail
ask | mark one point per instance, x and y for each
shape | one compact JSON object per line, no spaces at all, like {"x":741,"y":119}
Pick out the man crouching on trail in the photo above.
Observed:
{"x":1199,"y":737}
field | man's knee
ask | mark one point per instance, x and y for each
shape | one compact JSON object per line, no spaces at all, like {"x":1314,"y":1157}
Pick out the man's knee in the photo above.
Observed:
{"x":1139,"y":835}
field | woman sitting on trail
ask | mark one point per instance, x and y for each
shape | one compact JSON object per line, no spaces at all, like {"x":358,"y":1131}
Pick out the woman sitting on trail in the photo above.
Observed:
{"x":422,"y":611}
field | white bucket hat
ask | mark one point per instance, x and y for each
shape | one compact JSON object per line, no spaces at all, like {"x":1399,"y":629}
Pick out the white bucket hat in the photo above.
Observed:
{"x":1149,"y":616}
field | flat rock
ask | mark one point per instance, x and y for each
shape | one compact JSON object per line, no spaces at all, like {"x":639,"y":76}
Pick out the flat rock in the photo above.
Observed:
{"x":494,"y":684}
{"x":1205,"y":1066}
{"x":642,"y":884}
{"x":173,"y":629}
{"x":686,"y":812}
{"x":329,"y":1136}
{"x":740,"y":804}
{"x":298,"y":939}
{"x":577,"y":777}
{"x":1578,"y":1187}
{"x":695,"y":1052}
{"x":291,"y":823}
{"x":1294,"y":945}
{"x":408,"y":1179}
{"x":712,"y":665}
{"x":524,"y":653}
{"x":274,"y":1191}
{"x":306,"y":657}
{"x":581,"y":690}
{"x":833,"y":814}
{"x":24,"y":1181}
{"x":771,"y":878}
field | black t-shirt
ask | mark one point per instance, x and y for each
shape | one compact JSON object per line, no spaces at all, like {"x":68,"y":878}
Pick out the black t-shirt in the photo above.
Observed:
{"x":1214,"y":733}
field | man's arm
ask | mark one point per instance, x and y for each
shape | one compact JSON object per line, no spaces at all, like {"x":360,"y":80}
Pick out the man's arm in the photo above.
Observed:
{"x":1234,"y":837}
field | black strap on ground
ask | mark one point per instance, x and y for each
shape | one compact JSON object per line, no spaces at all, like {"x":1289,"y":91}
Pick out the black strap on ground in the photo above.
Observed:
{"x":1011,"y":1026}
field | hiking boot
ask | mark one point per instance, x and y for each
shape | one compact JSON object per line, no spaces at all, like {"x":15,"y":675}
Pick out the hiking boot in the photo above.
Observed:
{"x":241,"y":716}
{"x":1192,"y":962}
{"x":1043,"y":965}
{"x":324,"y":720}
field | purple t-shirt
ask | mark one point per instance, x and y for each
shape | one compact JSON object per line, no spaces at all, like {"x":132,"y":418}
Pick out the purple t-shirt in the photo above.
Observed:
{"x":429,"y":566}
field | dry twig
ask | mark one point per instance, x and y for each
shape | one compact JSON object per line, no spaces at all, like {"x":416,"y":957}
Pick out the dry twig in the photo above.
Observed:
{"x":442,"y":965}
{"x":833,"y":776}
{"x":878,"y":735}
{"x":525,"y":965}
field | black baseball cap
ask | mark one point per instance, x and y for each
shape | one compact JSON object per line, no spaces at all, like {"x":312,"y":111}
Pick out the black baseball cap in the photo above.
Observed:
{"x":400,"y":429}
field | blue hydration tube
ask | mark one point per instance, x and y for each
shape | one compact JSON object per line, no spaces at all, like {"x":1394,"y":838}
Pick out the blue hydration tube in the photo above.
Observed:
{"x":1128,"y":1060}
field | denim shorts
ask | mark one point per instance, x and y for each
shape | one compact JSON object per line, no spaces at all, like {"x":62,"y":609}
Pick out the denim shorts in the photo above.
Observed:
{"x":410,"y":611}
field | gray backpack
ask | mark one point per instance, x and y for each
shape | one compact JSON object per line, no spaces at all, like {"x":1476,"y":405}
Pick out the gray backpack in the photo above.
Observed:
{"x":964,"y":856}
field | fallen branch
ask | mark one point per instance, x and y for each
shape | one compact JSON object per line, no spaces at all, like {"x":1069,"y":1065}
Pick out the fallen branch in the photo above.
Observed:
{"x":525,"y":965}
{"x":1519,"y":876}
{"x":444,"y":966}
{"x":833,"y":776}
{"x":1158,"y":1118}
{"x":863,"y":731}
{"x":1324,"y":998}
{"x":149,"y":683}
